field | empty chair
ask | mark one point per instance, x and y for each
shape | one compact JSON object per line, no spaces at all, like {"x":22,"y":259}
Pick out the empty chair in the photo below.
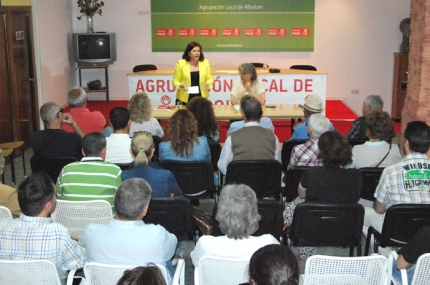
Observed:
{"x":50,"y":165}
{"x":144,"y":67}
{"x":30,"y":272}
{"x":401,"y":223}
{"x":421,"y":273}
{"x":304,"y":67}
{"x":287,"y":148}
{"x":292,"y":179}
{"x":371,"y":177}
{"x":5,"y":213}
{"x":76,"y":215}
{"x":219,"y":270}
{"x":367,"y":270}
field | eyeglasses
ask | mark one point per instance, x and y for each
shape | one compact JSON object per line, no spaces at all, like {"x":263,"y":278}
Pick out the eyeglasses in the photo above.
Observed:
{"x":61,"y":111}
{"x":242,"y":73}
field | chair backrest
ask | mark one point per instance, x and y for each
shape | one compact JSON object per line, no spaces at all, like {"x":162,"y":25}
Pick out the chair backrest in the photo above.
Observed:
{"x":317,"y":224}
{"x":292,"y":180}
{"x":304,"y":67}
{"x":215,"y":149}
{"x":272,"y":220}
{"x":123,"y":166}
{"x":98,"y":273}
{"x":174,"y":214}
{"x":195,"y":178}
{"x":50,"y":165}
{"x":402,"y":222}
{"x":353,"y":143}
{"x":287,"y":147}
{"x":5,"y":213}
{"x":263,"y":176}
{"x":144,"y":67}
{"x":367,"y":270}
{"x":77,"y":215}
{"x":28,"y":272}
{"x":422,"y":272}
{"x":218,"y":270}
{"x":157,"y":140}
{"x":371,"y":177}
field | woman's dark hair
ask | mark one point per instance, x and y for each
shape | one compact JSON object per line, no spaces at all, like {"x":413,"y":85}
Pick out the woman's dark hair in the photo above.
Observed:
{"x":143,"y":275}
{"x":334,"y":149}
{"x":205,"y":116}
{"x":274,"y":265}
{"x":183,"y":133}
{"x":379,"y":126}
{"x":189,"y":47}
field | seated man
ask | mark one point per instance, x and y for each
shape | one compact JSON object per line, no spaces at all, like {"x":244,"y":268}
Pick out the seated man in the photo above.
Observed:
{"x":88,"y":121}
{"x":313,"y":105}
{"x":406,"y":181}
{"x":53,"y":141}
{"x":264,"y":121}
{"x":127,"y":240}
{"x":306,"y":154}
{"x":91,"y":178}
{"x":8,"y":194}
{"x":252,"y":142}
{"x":33,"y":235}
{"x":118,"y":143}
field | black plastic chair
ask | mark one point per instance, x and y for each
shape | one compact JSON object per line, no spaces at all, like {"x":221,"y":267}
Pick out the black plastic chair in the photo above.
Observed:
{"x":263,"y":176}
{"x":287,"y":147}
{"x":157,"y":140}
{"x":317,"y":224}
{"x":353,"y":143}
{"x":371,"y":177}
{"x":257,"y":64}
{"x":401,"y":223}
{"x":144,"y":67}
{"x":195,"y":178}
{"x":304,"y":67}
{"x":292,"y":180}
{"x":123,"y":166}
{"x":50,"y":165}
{"x":175,"y":215}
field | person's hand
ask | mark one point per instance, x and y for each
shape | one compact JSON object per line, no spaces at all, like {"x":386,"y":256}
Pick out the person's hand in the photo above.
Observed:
{"x":183,"y":86}
{"x":171,"y":194}
{"x":207,"y":86}
{"x":74,"y":238}
{"x":248,"y":87}
{"x":68,"y":119}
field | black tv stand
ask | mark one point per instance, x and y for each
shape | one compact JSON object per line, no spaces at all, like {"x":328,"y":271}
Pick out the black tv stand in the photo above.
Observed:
{"x":105,"y":89}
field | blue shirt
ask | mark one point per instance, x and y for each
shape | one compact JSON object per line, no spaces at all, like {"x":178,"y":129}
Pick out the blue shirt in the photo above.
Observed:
{"x":300,"y":131}
{"x":201,"y":151}
{"x":264,"y":122}
{"x":161,"y":180}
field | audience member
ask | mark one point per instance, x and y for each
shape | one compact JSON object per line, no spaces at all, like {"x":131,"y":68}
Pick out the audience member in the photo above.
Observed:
{"x":89,"y":121}
{"x":265,"y":122}
{"x":127,"y":240}
{"x":313,"y":105}
{"x":358,"y":128}
{"x":405,"y":182}
{"x":184,"y":142}
{"x":248,"y":84}
{"x":306,"y":154}
{"x":330,"y":183}
{"x":33,"y":235}
{"x":273,"y":265}
{"x":378,"y":151}
{"x":143,"y":275}
{"x":117,"y":144}
{"x":252,"y":142}
{"x":91,"y":178}
{"x":162,"y":181}
{"x":205,"y":117}
{"x":53,"y":141}
{"x":8,"y":194}
{"x":141,"y":116}
{"x":238,"y":219}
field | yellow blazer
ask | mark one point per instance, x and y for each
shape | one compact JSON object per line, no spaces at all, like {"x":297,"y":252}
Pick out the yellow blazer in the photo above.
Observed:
{"x":182,"y":75}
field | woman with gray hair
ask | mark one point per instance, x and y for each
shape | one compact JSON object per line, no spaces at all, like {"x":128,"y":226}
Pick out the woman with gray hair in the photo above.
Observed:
{"x":238,"y":218}
{"x":247,"y":84}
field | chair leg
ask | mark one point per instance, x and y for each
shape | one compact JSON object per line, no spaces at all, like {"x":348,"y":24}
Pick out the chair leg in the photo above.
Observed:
{"x":2,"y":177}
{"x":351,"y":251}
{"x":23,"y":162}
{"x":359,"y":248}
{"x":366,"y":250}
{"x":12,"y":168}
{"x":375,"y":245}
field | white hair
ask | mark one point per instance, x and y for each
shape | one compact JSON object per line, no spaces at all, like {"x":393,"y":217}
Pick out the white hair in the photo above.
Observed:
{"x":48,"y":112}
{"x":375,"y":102}
{"x":318,"y":124}
{"x":76,"y":96}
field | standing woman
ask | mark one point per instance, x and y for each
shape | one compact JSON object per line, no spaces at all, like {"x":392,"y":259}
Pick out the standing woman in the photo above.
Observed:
{"x":248,"y":84}
{"x":190,"y":71}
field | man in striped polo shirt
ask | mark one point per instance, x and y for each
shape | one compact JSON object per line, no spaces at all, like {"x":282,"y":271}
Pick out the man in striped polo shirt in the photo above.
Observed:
{"x":91,"y":178}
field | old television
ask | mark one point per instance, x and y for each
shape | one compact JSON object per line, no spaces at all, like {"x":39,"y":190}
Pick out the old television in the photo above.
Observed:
{"x":94,"y":49}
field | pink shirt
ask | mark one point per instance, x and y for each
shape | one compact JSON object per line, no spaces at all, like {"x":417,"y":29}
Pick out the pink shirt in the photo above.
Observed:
{"x":87,"y":121}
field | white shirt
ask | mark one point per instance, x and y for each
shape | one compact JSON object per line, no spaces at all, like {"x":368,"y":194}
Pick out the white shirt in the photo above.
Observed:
{"x":152,"y":126}
{"x":370,"y":154}
{"x":118,"y":149}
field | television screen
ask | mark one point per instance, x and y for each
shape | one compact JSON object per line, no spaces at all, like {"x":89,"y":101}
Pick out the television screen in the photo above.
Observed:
{"x":93,"y":49}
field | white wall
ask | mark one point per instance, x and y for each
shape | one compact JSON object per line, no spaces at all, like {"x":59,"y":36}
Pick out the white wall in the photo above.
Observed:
{"x":354,"y":42}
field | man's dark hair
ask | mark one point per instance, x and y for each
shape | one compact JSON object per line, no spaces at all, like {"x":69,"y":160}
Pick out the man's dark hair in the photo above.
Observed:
{"x":34,"y":192}
{"x":119,"y":117}
{"x":417,"y":133}
{"x":252,"y":109}
{"x":93,"y":144}
{"x":131,"y":198}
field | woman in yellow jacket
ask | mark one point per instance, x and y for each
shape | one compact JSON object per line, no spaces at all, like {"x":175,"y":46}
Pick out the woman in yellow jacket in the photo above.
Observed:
{"x":193,"y":70}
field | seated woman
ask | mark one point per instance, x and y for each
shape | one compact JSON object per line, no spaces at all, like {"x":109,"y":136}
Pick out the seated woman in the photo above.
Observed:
{"x":162,"y":181}
{"x":141,"y":116}
{"x":149,"y":274}
{"x":273,"y":265}
{"x":238,"y":218}
{"x":378,"y":151}
{"x":330,"y":183}
{"x":248,"y":84}
{"x":184,"y":142}
{"x":205,"y":116}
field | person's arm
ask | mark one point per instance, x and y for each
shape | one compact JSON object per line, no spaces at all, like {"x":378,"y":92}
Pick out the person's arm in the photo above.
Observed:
{"x":168,"y":245}
{"x":379,"y":207}
{"x":177,"y":76}
{"x":158,"y":129}
{"x":382,"y":193}
{"x":259,"y":92}
{"x":73,"y":255}
{"x":209,"y":80}
{"x":293,"y":158}
{"x":402,"y":263}
{"x":173,"y":186}
{"x":354,"y":131}
{"x":68,"y":119}
{"x":302,"y":191}
{"x":226,"y":156}
{"x":277,"y":150}
{"x":237,"y":92}
{"x":198,"y":252}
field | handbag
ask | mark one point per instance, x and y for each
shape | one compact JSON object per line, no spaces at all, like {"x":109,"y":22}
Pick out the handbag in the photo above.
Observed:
{"x":94,"y":84}
{"x":204,"y":221}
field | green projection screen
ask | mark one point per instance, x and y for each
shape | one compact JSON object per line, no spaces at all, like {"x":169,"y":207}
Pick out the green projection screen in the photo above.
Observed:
{"x":229,"y":26}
